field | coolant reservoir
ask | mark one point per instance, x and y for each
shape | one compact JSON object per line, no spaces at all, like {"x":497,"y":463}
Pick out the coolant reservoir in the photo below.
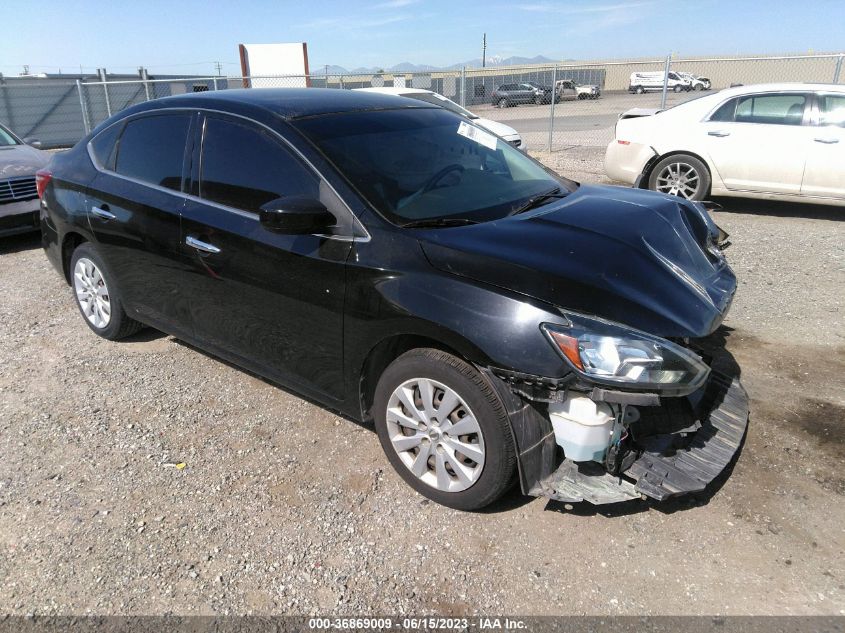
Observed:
{"x":582,"y":427}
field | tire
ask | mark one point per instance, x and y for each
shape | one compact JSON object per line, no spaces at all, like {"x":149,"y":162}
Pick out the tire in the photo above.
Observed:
{"x":639,"y":90}
{"x":103,"y":310}
{"x":538,"y":100}
{"x":582,"y":96}
{"x":673,"y":175}
{"x":503,"y":103}
{"x":475,"y":405}
{"x":698,"y":87}
{"x":678,"y":88}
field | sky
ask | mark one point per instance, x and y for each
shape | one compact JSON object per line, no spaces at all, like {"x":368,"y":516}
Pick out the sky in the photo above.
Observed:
{"x":188,"y":36}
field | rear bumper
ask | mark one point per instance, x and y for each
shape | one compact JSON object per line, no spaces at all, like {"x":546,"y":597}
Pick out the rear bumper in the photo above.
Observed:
{"x":625,"y":163}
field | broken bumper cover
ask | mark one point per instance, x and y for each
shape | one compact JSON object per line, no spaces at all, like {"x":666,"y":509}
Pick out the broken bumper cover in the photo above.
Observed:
{"x":711,"y":450}
{"x":671,"y":473}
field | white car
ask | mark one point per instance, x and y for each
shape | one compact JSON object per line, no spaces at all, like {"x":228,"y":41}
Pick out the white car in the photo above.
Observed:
{"x":652,"y":81}
{"x":695,"y":82}
{"x":773,"y":141}
{"x":499,"y":129}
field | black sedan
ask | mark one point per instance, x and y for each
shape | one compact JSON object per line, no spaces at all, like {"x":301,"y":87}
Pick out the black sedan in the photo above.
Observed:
{"x":398,"y":264}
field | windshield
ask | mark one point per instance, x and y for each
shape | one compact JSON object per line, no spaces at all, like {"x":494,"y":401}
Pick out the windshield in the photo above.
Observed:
{"x":416,"y":164}
{"x":6,"y":138}
{"x":443,"y":102}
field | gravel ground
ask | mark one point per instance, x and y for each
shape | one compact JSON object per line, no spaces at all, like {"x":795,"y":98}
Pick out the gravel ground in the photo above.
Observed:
{"x":283,"y":507}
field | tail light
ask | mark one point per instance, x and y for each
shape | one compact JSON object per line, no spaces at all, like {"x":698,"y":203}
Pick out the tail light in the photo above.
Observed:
{"x":42,"y":179}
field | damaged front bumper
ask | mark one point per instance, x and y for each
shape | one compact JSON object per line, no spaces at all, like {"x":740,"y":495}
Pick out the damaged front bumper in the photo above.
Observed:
{"x":677,"y":445}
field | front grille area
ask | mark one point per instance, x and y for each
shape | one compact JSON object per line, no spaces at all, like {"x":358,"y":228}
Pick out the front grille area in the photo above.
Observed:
{"x":17,"y":189}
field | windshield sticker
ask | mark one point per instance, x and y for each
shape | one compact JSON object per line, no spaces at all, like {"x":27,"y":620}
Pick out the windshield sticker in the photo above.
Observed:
{"x":479,"y":136}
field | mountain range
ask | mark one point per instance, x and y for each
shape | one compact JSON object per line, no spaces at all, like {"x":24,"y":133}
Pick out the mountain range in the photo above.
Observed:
{"x":408,"y":67}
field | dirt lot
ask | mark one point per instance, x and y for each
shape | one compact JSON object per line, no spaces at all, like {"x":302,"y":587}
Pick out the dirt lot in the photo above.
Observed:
{"x":284,"y":507}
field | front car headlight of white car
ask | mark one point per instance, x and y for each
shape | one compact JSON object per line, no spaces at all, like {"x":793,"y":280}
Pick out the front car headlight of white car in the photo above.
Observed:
{"x":614,"y":355}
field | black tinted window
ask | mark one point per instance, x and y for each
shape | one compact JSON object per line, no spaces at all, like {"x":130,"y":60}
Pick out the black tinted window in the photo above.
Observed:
{"x":152,"y":149}
{"x":105,"y":144}
{"x":245,"y":167}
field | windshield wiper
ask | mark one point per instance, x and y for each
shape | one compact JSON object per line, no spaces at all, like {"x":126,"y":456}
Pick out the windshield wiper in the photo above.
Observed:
{"x":535,"y":201}
{"x":437,"y":223}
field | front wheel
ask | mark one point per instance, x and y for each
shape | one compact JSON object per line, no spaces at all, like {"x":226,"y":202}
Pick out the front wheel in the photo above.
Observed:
{"x":639,"y":90}
{"x":538,"y":100}
{"x":681,"y":175}
{"x":503,"y":103}
{"x":444,"y":429}
{"x":97,"y":296}
{"x":678,"y":88}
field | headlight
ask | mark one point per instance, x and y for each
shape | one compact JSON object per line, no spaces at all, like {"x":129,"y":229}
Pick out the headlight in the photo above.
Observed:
{"x":612,"y":354}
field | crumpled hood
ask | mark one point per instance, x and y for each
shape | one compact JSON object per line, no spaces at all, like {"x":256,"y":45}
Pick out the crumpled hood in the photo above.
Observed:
{"x":21,"y":160}
{"x":627,"y":255}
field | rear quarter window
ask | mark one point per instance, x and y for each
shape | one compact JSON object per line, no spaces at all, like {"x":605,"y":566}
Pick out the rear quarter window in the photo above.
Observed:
{"x":104,"y":146}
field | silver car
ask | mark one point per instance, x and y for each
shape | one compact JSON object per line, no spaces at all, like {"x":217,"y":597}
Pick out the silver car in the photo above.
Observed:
{"x":18,"y":195}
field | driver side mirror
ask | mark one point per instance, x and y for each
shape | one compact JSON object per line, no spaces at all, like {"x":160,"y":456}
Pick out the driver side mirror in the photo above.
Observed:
{"x":296,"y":216}
{"x":33,"y":142}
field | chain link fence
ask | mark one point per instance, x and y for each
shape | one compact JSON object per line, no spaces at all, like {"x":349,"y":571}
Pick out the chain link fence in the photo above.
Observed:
{"x":589,"y":96}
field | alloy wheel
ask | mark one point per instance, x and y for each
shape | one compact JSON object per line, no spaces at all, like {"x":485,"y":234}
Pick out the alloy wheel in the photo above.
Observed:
{"x":92,"y":293}
{"x":678,"y":179}
{"x":435,"y":434}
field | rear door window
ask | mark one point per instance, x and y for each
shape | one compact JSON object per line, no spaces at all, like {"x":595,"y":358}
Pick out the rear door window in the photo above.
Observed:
{"x":152,"y":149}
{"x":771,"y":109}
{"x":245,"y":167}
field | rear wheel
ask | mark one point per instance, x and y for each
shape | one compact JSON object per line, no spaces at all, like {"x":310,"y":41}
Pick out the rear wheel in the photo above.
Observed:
{"x":97,"y":296}
{"x":444,"y":429}
{"x":639,"y":90}
{"x":538,"y":100}
{"x":503,"y":103}
{"x":681,"y":175}
{"x":678,"y":88}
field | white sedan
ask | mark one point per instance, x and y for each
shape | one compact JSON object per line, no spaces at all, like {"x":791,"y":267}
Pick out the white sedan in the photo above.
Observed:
{"x":506,"y":132}
{"x":774,"y":141}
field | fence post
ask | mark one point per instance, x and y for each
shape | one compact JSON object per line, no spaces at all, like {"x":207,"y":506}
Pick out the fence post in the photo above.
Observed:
{"x":838,"y":69}
{"x":552,"y":108}
{"x":85,"y":122}
{"x":464,"y":85}
{"x":145,"y":77}
{"x":214,"y":80}
{"x":665,"y":81}
{"x":104,"y":79}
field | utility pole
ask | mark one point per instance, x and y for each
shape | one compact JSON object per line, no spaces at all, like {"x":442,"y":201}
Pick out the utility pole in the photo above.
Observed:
{"x":219,"y":68}
{"x":484,"y":51}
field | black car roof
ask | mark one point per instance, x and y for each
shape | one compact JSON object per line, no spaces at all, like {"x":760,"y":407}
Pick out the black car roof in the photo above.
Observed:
{"x":293,"y":103}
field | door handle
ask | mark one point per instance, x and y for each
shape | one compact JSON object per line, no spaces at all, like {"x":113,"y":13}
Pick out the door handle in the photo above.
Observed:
{"x":103,"y":212}
{"x":203,"y":247}
{"x":826,"y":141}
{"x":718,"y":133}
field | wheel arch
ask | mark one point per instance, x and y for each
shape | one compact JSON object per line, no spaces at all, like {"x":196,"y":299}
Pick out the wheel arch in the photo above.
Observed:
{"x":392,"y":346}
{"x":652,"y":163}
{"x":70,"y":242}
